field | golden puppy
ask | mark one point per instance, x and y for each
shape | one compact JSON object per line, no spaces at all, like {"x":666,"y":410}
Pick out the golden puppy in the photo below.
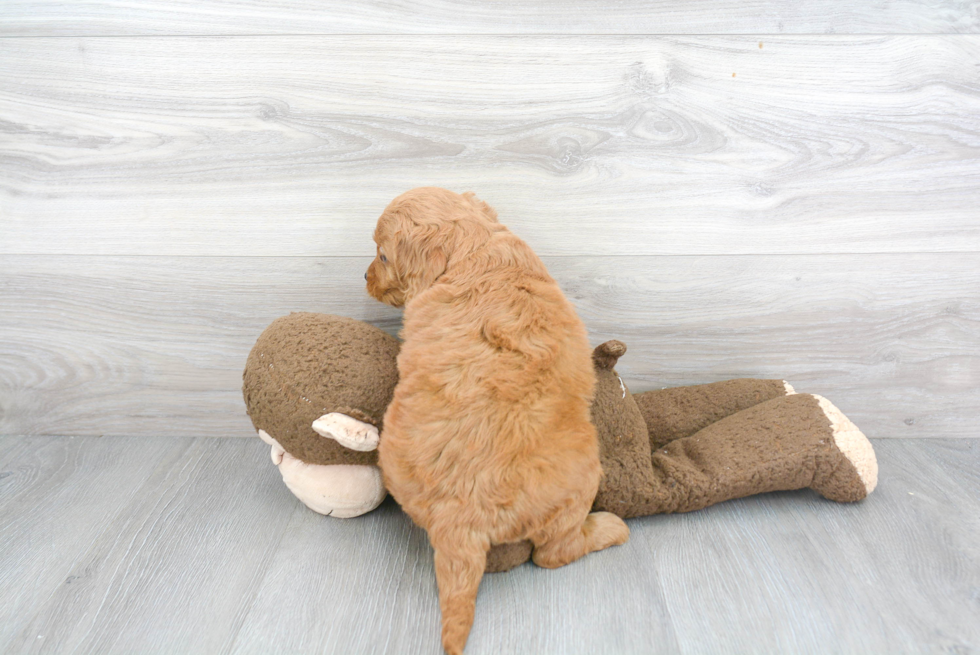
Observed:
{"x":488,"y":438}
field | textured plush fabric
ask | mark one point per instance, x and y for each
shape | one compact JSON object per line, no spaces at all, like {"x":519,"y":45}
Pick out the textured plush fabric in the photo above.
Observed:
{"x":624,"y":447}
{"x":751,"y":438}
{"x":783,"y":443}
{"x":681,"y":411}
{"x":672,"y":450}
{"x":504,"y":557}
{"x":306,"y":365}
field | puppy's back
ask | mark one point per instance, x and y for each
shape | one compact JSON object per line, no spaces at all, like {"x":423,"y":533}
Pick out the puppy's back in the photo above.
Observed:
{"x":496,"y":376}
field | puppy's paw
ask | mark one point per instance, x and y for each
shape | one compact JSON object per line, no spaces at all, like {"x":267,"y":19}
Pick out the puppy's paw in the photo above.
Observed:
{"x":347,"y":431}
{"x":605,"y":529}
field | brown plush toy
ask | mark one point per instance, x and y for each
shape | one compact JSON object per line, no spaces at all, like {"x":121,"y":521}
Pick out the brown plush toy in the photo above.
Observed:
{"x":316,"y":387}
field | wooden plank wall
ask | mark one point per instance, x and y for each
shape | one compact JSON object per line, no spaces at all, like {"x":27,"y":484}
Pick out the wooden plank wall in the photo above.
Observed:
{"x":760,"y":188}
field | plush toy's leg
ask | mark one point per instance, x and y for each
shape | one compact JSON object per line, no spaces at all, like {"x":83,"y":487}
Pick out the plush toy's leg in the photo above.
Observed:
{"x":681,"y":411}
{"x":504,"y":557}
{"x":794,"y":442}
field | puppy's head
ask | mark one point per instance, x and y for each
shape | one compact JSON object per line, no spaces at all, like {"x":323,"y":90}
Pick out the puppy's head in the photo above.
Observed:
{"x":418,"y":236}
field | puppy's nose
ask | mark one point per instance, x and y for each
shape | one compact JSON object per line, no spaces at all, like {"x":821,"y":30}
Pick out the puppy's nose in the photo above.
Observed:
{"x":365,"y":277}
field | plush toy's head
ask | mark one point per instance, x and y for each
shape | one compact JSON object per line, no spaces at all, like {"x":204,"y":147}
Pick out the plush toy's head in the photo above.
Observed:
{"x":307,"y":365}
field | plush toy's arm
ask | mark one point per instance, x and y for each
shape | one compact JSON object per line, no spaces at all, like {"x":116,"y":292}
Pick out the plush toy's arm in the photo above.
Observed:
{"x":681,"y":411}
{"x":793,"y":442}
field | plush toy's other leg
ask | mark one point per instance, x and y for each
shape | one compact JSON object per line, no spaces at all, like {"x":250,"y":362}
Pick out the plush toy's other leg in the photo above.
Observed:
{"x":504,"y":557}
{"x":681,"y":411}
{"x":794,"y":442}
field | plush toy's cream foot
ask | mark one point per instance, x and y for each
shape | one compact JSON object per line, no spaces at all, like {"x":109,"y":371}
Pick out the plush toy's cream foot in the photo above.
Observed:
{"x":856,"y":449}
{"x":347,"y":431}
{"x":339,"y":490}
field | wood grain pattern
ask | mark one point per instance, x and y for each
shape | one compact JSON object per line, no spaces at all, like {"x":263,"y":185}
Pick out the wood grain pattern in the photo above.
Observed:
{"x":209,"y":553}
{"x":178,"y":566}
{"x":908,"y":558}
{"x":99,"y":17}
{"x":55,"y":503}
{"x":587,"y":145}
{"x":156,"y":345}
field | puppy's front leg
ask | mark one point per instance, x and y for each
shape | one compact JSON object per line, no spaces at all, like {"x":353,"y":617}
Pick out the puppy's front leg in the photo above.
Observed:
{"x":460,"y":561}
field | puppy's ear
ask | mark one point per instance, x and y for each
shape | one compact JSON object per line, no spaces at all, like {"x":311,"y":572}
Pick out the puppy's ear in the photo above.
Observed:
{"x":420,"y":258}
{"x":481,"y":206}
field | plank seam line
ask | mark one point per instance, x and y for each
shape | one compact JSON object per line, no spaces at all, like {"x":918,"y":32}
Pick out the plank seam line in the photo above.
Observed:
{"x":493,"y":34}
{"x":542,"y":255}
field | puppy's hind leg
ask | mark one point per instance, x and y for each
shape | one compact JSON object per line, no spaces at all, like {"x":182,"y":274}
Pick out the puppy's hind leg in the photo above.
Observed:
{"x":566,"y":541}
{"x":460,"y":562}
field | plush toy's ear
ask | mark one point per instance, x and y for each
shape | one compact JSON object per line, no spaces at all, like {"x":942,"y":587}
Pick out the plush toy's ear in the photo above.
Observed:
{"x":606,"y":355}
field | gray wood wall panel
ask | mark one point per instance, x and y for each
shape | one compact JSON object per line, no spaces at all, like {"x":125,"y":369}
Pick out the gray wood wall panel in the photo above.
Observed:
{"x":145,"y":346}
{"x":773,"y":205}
{"x":587,"y":145}
{"x":99,"y":17}
{"x":196,"y":546}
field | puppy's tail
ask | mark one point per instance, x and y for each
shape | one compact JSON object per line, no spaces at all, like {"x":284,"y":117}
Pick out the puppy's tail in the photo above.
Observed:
{"x":460,"y":563}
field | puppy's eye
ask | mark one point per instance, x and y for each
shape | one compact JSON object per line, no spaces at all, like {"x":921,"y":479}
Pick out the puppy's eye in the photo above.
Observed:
{"x":384,"y":260}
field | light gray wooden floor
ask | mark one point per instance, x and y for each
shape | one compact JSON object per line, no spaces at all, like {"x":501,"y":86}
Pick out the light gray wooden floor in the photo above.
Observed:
{"x":184,"y":545}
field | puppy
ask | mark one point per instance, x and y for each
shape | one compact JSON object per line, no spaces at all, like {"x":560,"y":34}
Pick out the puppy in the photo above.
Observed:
{"x":488,"y":438}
